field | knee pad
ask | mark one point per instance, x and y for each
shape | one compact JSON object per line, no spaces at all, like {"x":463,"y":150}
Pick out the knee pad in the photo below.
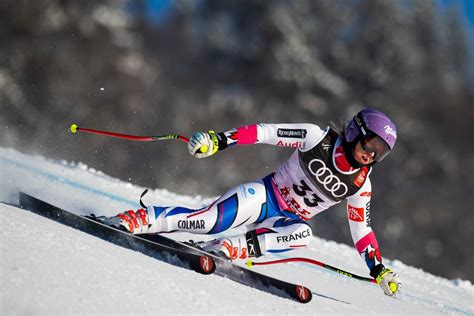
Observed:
{"x":253,"y":245}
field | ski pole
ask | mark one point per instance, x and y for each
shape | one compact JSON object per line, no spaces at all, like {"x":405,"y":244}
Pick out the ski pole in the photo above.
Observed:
{"x":251,"y":263}
{"x":74,"y":129}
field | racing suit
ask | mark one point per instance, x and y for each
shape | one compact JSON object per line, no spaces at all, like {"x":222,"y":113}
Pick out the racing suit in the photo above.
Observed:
{"x":275,"y":209}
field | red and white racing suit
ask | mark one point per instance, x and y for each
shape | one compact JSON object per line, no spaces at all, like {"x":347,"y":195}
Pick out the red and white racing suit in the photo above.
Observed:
{"x":275,"y":209}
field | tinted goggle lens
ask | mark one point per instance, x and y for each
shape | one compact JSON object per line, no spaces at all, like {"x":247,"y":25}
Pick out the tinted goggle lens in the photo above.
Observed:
{"x":377,"y":145}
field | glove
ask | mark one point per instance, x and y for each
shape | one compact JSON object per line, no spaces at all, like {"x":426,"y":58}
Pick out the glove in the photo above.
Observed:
{"x":203,"y":145}
{"x":387,"y":280}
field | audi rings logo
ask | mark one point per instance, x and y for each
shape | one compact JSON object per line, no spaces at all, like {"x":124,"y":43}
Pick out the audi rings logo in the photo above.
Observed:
{"x":325,"y":176}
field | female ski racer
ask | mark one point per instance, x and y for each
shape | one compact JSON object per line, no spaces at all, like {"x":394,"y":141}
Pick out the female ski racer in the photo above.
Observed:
{"x":326,"y":168}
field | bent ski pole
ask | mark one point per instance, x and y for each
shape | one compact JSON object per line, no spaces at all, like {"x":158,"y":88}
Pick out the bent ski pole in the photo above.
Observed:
{"x":250,"y":263}
{"x":74,"y":129}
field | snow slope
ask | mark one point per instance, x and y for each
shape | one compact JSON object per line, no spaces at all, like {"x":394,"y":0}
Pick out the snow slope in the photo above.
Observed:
{"x":49,"y":268}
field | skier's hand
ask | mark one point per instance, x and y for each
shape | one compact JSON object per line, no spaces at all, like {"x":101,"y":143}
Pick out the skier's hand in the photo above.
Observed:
{"x":388,"y":281}
{"x":203,"y":145}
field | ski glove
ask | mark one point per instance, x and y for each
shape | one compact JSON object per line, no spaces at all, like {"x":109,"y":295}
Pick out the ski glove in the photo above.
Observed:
{"x":203,"y":145}
{"x":387,"y":280}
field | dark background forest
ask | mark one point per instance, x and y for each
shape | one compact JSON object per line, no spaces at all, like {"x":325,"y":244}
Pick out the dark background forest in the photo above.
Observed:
{"x":212,"y":64}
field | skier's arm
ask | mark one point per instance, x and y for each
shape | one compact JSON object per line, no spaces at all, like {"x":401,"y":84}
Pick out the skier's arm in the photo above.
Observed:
{"x":358,"y":215}
{"x":301,"y":135}
{"x":286,"y":135}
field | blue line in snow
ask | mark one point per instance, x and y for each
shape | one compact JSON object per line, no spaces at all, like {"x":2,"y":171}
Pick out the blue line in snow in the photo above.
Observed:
{"x":77,"y":185}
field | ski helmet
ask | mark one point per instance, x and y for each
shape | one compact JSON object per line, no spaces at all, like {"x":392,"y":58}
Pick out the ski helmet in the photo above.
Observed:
{"x":376,"y":132}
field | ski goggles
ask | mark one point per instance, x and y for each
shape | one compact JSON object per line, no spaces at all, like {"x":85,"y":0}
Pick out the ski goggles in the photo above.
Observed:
{"x":374,"y":144}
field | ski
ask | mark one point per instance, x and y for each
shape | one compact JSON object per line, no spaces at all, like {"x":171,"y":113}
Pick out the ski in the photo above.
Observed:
{"x":166,"y":249}
{"x":159,"y":249}
{"x":239,"y":274}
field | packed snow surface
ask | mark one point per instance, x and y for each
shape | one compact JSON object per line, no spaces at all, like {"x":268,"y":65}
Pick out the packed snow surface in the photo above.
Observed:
{"x":49,"y":268}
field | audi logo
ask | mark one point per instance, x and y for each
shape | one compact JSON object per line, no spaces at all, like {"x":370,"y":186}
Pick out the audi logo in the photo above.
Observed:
{"x":325,"y":176}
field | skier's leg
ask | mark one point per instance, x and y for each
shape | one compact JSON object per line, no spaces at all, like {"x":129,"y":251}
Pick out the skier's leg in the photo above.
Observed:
{"x":243,"y":205}
{"x":275,"y":234}
{"x":280,"y":234}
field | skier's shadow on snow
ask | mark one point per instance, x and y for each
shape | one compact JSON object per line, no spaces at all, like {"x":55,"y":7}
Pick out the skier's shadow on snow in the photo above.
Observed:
{"x":330,"y":298}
